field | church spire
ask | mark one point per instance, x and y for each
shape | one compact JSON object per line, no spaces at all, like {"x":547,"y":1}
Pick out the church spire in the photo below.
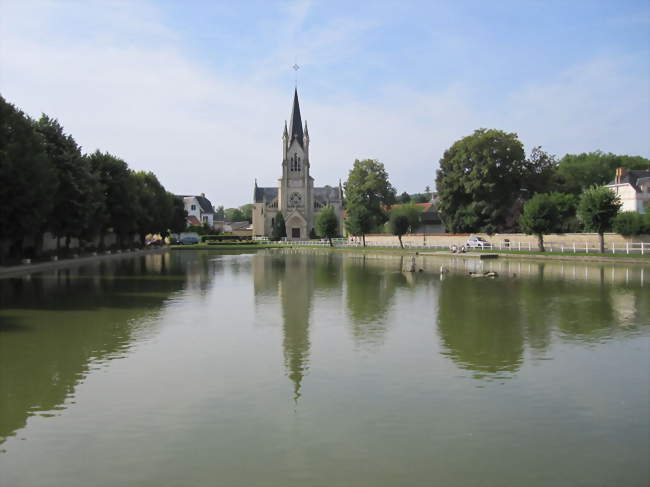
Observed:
{"x":296,"y":121}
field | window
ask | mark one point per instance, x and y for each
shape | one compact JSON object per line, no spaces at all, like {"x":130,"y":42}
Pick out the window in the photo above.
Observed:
{"x":193,"y":207}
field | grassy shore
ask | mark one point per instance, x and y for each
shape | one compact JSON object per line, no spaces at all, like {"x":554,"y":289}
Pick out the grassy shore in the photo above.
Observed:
{"x":524,"y":254}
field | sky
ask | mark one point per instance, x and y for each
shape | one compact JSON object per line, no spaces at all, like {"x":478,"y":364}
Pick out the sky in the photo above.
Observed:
{"x":198,"y":91}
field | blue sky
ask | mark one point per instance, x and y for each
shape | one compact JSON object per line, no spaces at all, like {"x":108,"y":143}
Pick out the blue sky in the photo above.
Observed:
{"x":198,"y":91}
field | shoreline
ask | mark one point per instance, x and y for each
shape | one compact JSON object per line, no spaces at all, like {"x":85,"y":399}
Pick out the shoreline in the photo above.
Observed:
{"x":59,"y":264}
{"x":622,"y":259}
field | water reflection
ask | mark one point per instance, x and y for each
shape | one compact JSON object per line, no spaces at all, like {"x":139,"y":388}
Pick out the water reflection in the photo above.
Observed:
{"x":55,"y":327}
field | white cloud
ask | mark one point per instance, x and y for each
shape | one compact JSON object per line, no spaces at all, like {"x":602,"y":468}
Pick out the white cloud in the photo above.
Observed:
{"x":130,"y":90}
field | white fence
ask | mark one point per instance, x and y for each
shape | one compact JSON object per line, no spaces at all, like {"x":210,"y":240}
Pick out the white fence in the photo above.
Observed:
{"x":574,"y":248}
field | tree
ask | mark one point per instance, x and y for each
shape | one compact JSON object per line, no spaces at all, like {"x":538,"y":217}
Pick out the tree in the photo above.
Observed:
{"x":629,"y":223}
{"x":234,"y":215}
{"x":27,"y":180}
{"x":404,"y":198}
{"x":567,"y":205}
{"x":420,"y":198}
{"x":247,"y":212}
{"x":120,"y":192}
{"x":479,"y":181}
{"x":279,"y":230}
{"x":327,"y":225}
{"x":368,"y":187}
{"x":596,"y":210}
{"x":403,"y":219}
{"x":540,"y":216}
{"x":219,"y":213}
{"x":154,"y":209}
{"x":179,"y":215}
{"x":358,"y":221}
{"x":578,"y":172}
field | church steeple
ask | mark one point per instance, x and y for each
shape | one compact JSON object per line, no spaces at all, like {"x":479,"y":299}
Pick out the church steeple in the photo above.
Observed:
{"x":296,"y":121}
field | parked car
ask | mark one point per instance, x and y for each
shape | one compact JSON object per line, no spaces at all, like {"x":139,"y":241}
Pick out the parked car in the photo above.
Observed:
{"x":189,"y":239}
{"x":477,"y":243}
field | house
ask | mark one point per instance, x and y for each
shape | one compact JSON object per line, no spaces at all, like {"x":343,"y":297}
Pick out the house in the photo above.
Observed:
{"x":633,"y":187}
{"x":199,"y":210}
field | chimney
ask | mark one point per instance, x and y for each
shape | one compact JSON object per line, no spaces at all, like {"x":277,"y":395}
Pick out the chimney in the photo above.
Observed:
{"x":620,"y":174}
{"x":202,"y":195}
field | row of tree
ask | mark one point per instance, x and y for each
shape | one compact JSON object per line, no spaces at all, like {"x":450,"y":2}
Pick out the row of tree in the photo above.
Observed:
{"x":485,"y":179}
{"x":48,"y":185}
{"x":486,"y":183}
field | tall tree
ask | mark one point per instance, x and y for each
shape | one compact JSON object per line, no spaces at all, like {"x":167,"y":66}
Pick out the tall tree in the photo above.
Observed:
{"x":179,"y":215}
{"x":327,"y":225}
{"x":120,"y":192}
{"x":219,"y":213}
{"x":27,"y":180}
{"x":404,"y":198}
{"x":74,"y":201}
{"x":597,"y":209}
{"x":479,"y":181}
{"x":578,"y":172}
{"x":368,"y":187}
{"x":540,"y":216}
{"x":154,"y":208}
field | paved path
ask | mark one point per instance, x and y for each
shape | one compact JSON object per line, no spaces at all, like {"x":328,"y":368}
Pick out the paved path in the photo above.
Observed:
{"x":60,"y":264}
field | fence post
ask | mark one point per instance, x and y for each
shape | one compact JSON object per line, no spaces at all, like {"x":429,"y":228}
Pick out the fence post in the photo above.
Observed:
{"x":562,"y":250}
{"x":586,"y":247}
{"x":519,"y":245}
{"x":574,"y":247}
{"x":529,"y":247}
{"x":627,"y":247}
{"x":641,"y":248}
{"x":613,"y":247}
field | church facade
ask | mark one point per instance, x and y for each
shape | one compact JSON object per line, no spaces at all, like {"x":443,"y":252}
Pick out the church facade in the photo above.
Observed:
{"x":295,"y":195}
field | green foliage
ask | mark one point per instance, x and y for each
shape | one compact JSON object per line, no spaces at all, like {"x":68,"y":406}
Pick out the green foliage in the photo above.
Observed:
{"x":566,"y":205}
{"x":27,"y":179}
{"x":77,"y":197}
{"x":154,"y":208}
{"x":279,"y":230}
{"x":359,"y":221}
{"x":420,"y":198}
{"x":479,"y":181}
{"x":120,"y":189}
{"x":179,"y":215}
{"x":219,"y":213}
{"x":327,"y":225}
{"x":247,"y":212}
{"x":629,"y":223}
{"x":367,"y":190}
{"x":540,"y":216}
{"x":234,"y":215}
{"x":578,"y":172}
{"x":597,"y":209}
{"x":403,"y":219}
{"x":404,"y":198}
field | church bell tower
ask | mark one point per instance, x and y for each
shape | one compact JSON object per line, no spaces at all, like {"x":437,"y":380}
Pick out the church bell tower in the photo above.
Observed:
{"x":296,"y":185}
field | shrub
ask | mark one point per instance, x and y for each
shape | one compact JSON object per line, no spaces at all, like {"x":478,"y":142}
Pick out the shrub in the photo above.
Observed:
{"x":629,"y":223}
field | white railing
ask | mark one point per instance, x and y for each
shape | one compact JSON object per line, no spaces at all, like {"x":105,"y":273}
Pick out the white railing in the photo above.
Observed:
{"x":551,"y":247}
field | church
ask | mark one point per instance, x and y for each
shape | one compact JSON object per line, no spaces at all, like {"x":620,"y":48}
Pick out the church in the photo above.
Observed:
{"x":295,"y":195}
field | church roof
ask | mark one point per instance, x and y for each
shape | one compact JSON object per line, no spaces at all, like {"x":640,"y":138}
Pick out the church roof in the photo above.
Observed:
{"x":296,"y":122}
{"x":327,"y":193}
{"x":265,"y":194}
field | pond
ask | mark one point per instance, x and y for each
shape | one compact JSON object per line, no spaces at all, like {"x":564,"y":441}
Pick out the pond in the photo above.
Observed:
{"x":319,"y":368}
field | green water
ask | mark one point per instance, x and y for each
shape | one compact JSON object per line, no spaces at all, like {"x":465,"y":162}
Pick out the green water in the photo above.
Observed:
{"x":307,"y":368}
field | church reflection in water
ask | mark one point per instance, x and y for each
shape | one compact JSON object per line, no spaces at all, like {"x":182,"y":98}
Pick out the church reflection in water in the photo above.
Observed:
{"x":485,"y":327}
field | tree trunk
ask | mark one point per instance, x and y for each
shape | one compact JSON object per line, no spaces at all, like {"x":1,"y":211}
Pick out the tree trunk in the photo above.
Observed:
{"x":601,"y":237}
{"x":540,"y":240}
{"x":67,"y":244}
{"x":400,"y":241}
{"x":58,"y":246}
{"x":330,"y":239}
{"x":363,"y":236}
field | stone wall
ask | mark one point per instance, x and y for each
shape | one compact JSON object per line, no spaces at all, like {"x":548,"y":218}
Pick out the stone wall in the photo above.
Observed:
{"x":552,"y":240}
